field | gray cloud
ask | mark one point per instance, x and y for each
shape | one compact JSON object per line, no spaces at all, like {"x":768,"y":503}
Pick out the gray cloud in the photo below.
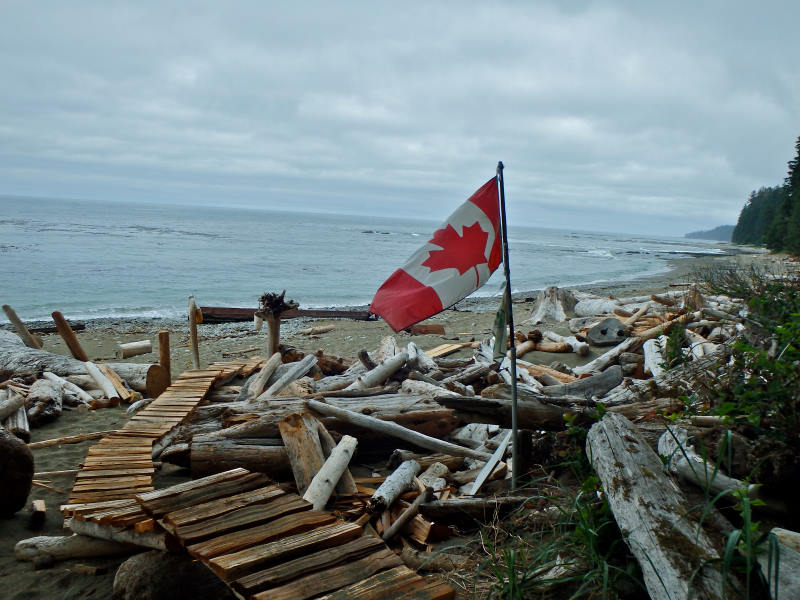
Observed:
{"x":618,"y":116}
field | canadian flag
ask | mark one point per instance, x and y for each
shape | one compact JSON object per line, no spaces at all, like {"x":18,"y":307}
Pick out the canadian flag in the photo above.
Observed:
{"x":455,"y":262}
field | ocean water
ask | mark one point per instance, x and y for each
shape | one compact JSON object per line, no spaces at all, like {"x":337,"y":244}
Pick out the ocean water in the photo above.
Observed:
{"x":93,"y":260}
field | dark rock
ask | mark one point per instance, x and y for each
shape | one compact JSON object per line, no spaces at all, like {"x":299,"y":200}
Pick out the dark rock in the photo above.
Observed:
{"x":16,"y":473}
{"x":157,"y":575}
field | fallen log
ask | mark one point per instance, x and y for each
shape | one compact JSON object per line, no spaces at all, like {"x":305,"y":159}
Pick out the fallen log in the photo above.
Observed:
{"x":134,"y":348}
{"x":540,"y":346}
{"x":294,"y":372}
{"x":654,"y":356}
{"x":346,"y":485}
{"x":589,"y":307}
{"x":380,"y":373}
{"x":394,"y":486}
{"x":673,"y":551}
{"x":321,"y":486}
{"x":70,"y":439}
{"x":68,"y":386}
{"x":103,"y":382}
{"x":258,"y":381}
{"x":216,"y":456}
{"x":125,"y":535}
{"x":407,"y":515}
{"x":578,"y":347}
{"x":45,"y":550}
{"x":588,"y":387}
{"x":29,"y":339}
{"x":395,"y":430}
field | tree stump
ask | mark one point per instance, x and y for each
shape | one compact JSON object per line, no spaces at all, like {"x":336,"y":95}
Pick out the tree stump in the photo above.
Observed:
{"x":271,"y":306}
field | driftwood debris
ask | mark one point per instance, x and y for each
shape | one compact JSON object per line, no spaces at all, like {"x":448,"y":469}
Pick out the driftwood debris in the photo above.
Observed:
{"x":271,"y":307}
{"x":672,"y":550}
{"x":552,"y":304}
{"x":29,"y":339}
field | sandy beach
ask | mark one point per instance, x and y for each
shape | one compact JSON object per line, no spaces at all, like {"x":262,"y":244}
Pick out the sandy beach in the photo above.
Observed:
{"x":469,"y":320}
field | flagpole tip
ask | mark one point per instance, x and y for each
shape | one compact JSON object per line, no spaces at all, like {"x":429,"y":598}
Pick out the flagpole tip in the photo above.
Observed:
{"x":500,"y":166}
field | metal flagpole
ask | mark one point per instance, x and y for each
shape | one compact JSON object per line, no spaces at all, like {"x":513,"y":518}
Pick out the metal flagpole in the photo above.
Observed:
{"x":504,"y":228}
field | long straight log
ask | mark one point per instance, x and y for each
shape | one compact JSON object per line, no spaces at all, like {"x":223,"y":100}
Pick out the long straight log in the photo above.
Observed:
{"x":392,"y":429}
{"x":346,"y":485}
{"x":380,"y":373}
{"x":47,"y":549}
{"x":407,"y":515}
{"x":670,"y":546}
{"x":321,"y":486}
{"x":134,"y":349}
{"x":69,"y":337}
{"x":30,"y":340}
{"x":578,"y":347}
{"x":217,"y":456}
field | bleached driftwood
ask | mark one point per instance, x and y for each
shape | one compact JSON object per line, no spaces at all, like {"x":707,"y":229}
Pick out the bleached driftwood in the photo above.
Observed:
{"x":673,"y":551}
{"x":434,"y":477}
{"x":44,"y":401}
{"x":580,"y":348}
{"x":102,"y":381}
{"x":490,"y":465}
{"x":125,"y":535}
{"x":424,"y":363}
{"x":552,"y":304}
{"x":258,"y":381}
{"x":321,"y":486}
{"x":295,"y":371}
{"x":300,"y":436}
{"x":394,"y":430}
{"x":636,"y":315}
{"x":407,"y":514}
{"x":683,"y":460}
{"x":632,"y":343}
{"x":654,"y":356}
{"x":380,"y":373}
{"x":397,"y":483}
{"x":134,"y":348}
{"x":595,"y":306}
{"x":192,"y":316}
{"x":10,"y":402}
{"x":17,"y":424}
{"x":68,"y":386}
{"x":46,"y":549}
{"x":346,"y":485}
{"x":607,"y":332}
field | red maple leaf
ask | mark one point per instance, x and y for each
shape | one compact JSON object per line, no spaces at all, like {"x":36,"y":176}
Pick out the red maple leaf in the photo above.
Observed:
{"x":462,"y":252}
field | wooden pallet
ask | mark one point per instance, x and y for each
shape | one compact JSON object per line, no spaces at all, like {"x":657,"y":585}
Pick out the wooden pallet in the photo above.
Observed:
{"x":120,"y":465}
{"x":266,"y":543}
{"x":445,"y":349}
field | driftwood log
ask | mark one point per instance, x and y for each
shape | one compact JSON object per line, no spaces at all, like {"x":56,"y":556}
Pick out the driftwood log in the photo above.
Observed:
{"x":15,"y":357}
{"x":69,"y":337}
{"x":134,"y":348}
{"x":552,"y":304}
{"x":394,"y":486}
{"x":323,"y":483}
{"x":29,"y":339}
{"x":672,"y":549}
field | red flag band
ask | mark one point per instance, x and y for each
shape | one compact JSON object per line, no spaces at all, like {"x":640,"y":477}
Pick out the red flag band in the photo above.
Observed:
{"x":455,"y":262}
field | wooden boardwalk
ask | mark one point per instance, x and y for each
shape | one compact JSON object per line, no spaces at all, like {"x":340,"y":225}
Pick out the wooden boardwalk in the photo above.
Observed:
{"x":262,"y":541}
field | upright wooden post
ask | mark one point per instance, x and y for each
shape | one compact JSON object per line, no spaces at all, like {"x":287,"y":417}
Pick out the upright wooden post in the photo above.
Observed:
{"x":274,"y":331}
{"x":30,"y":340}
{"x":193,"y":333}
{"x":164,"y":357}
{"x":69,"y":337}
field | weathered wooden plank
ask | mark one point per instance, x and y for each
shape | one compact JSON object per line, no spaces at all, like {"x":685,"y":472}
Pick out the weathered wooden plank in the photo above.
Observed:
{"x":324,"y":559}
{"x":333,"y":578}
{"x":394,"y":584}
{"x":235,"y":565}
{"x":286,"y":525}
{"x":200,"y":512}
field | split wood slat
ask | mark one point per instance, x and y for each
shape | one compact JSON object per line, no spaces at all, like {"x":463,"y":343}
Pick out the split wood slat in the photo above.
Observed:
{"x":233,"y":566}
{"x":70,"y":510}
{"x":324,"y":559}
{"x":125,"y":395}
{"x":193,"y":514}
{"x":445,"y":349}
{"x":288,"y":525}
{"x":334,"y":578}
{"x":113,"y":473}
{"x":249,"y":516}
{"x":400,"y":583}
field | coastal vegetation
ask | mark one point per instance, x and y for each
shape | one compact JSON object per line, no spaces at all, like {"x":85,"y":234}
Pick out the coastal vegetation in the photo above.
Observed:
{"x":771,"y":215}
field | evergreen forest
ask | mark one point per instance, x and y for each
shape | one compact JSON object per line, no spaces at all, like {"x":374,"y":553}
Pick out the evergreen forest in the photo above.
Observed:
{"x":771,"y":215}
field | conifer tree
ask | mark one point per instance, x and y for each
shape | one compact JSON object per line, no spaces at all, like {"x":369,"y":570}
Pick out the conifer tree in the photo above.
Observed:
{"x":792,"y":237}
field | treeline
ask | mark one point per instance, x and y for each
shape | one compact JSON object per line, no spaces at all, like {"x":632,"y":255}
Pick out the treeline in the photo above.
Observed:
{"x":771,"y":216}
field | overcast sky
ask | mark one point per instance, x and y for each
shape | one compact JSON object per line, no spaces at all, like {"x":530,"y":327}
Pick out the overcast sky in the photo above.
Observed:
{"x":624,"y":116}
